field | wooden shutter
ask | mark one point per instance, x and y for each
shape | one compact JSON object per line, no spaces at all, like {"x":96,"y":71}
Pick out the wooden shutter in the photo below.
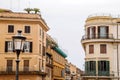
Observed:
{"x":107,"y":66}
{"x":9,"y":65}
{"x":6,"y":46}
{"x":94,"y":67}
{"x":103,"y":48}
{"x":26,"y":65}
{"x":86,"y":67}
{"x":91,"y":49}
{"x":31,"y":46}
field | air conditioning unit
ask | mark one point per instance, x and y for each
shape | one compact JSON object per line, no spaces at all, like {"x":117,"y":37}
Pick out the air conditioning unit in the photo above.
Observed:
{"x":26,"y":50}
{"x":42,"y":69}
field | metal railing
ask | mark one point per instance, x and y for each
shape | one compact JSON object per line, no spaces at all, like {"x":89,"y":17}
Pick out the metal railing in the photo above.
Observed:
{"x":22,"y":70}
{"x":98,"y":36}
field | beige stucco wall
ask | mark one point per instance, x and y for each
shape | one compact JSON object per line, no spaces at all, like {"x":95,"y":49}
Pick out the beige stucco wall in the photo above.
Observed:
{"x":111,"y":54}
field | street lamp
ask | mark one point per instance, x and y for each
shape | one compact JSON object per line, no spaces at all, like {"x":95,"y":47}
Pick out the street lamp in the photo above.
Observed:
{"x":18,"y":42}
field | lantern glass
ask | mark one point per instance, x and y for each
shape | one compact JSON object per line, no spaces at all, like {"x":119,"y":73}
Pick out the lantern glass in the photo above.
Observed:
{"x":18,"y":41}
{"x":18,"y":44}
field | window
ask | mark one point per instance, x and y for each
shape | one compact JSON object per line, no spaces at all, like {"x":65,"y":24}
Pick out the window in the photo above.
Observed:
{"x":40,"y":32}
{"x":27,"y":47}
{"x":103,"y":68}
{"x":9,"y":65}
{"x":103,"y":48}
{"x":10,"y":28}
{"x":40,"y":49}
{"x":8,"y":46}
{"x":90,"y":67}
{"x":91,"y":32}
{"x":26,"y":65}
{"x":91,"y":49}
{"x":103,"y":31}
{"x":43,"y":50}
{"x":27,"y":29}
{"x":43,"y":35}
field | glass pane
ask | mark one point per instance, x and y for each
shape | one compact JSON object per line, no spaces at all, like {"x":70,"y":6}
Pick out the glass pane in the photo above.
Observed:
{"x":103,"y":32}
{"x":18,"y":44}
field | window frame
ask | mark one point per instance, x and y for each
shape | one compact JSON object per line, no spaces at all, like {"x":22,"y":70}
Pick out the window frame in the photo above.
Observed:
{"x":9,"y":47}
{"x":103,"y":48}
{"x":27,"y":29}
{"x":27,"y":48}
{"x":91,"y":49}
{"x":10,"y":28}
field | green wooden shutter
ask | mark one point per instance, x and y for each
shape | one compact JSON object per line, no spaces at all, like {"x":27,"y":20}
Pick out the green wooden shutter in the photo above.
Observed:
{"x":95,"y":66}
{"x":86,"y":67}
{"x":107,"y":66}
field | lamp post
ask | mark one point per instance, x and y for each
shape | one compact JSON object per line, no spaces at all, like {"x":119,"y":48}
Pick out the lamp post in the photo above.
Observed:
{"x":18,"y":42}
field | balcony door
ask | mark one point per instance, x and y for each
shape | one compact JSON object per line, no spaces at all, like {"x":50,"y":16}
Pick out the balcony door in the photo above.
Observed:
{"x":103,"y":31}
{"x":9,"y":65}
{"x":26,"y":65}
{"x":91,"y":32}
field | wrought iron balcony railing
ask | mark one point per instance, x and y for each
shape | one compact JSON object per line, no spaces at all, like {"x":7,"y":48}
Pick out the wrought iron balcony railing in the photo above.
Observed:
{"x":97,"y":36}
{"x":22,"y":70}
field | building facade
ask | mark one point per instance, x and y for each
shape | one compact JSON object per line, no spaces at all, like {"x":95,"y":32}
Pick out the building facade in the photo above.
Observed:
{"x":58,"y":62}
{"x":73,"y":71}
{"x":49,"y":59}
{"x":32,"y":60}
{"x":101,"y":44}
{"x":67,"y":70}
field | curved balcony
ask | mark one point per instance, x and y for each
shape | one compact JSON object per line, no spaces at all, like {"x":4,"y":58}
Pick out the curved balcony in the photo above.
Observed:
{"x":97,"y":37}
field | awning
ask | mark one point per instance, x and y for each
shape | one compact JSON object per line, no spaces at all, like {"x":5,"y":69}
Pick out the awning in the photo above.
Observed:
{"x":57,"y":49}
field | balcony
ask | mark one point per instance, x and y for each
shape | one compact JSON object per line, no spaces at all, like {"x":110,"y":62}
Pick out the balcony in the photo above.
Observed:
{"x":22,"y":71}
{"x":103,"y":73}
{"x":90,"y":73}
{"x":49,"y":65}
{"x":97,"y":37}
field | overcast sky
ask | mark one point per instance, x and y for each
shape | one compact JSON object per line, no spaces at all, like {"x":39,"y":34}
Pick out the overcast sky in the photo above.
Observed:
{"x":66,"y":19}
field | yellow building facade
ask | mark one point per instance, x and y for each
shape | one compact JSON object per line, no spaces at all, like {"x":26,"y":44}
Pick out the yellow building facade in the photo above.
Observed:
{"x":58,"y":60}
{"x":32,"y":60}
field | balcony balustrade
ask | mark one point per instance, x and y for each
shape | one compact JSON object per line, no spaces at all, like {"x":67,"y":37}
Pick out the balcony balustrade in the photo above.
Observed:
{"x":22,"y":70}
{"x":97,"y":36}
